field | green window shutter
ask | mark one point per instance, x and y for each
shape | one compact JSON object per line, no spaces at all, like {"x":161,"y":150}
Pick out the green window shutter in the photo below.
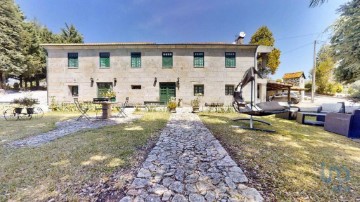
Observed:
{"x":167,"y":59}
{"x":104,"y":60}
{"x":230,"y":59}
{"x":73,"y":60}
{"x":198,"y":59}
{"x":135,"y":60}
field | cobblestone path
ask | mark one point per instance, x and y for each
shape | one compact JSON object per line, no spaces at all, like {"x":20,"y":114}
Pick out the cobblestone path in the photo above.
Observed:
{"x":69,"y":127}
{"x":189,"y":164}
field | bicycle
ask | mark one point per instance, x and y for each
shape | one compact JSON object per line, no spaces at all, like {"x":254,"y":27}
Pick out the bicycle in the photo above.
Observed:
{"x":18,"y":113}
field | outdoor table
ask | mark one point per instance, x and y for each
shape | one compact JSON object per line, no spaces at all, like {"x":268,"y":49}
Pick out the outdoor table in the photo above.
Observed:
{"x":301,"y":118}
{"x":106,"y":108}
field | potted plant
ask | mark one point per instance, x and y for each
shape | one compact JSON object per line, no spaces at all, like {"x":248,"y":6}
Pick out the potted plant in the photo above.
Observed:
{"x":196,"y":103}
{"x":172,"y":105}
{"x":18,"y":107}
{"x":110,"y":94}
{"x":29,"y":103}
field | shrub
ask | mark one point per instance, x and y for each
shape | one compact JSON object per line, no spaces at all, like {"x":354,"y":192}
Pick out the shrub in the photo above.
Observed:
{"x":308,"y":87}
{"x":16,"y":86}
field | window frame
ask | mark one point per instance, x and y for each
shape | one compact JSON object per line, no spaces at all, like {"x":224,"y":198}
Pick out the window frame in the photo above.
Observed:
{"x":71,"y":57}
{"x":133,"y":57}
{"x":107,"y":56}
{"x":229,"y":56}
{"x":196,"y":91}
{"x":72,"y":89}
{"x":167,"y":55}
{"x":227,"y":89}
{"x":135,"y":87}
{"x":198,"y":55}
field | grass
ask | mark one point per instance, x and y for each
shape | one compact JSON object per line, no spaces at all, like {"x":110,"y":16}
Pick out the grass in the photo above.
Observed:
{"x":294,"y":163}
{"x":59,"y":168}
{"x":14,"y":130}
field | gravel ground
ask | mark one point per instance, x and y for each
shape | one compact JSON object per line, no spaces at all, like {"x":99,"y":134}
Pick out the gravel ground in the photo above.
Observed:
{"x":69,"y":127}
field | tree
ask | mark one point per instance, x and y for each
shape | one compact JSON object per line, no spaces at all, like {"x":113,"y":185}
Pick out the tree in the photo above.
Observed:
{"x":263,"y":36}
{"x":345,"y":42}
{"x":324,"y":68}
{"x":11,"y":57}
{"x":70,"y":34}
{"x":314,"y":3}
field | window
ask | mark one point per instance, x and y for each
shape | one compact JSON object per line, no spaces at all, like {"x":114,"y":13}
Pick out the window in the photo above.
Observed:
{"x":103,"y":88}
{"x":74,"y":91}
{"x":104,"y":60}
{"x":229,"y":89}
{"x":73,"y":60}
{"x":167,"y":59}
{"x":135,"y":60}
{"x":230,"y":61}
{"x":198,"y":89}
{"x":135,"y":87}
{"x":198,"y":59}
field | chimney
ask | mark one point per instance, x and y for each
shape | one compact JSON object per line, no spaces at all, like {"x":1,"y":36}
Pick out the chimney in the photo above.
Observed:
{"x":240,"y":39}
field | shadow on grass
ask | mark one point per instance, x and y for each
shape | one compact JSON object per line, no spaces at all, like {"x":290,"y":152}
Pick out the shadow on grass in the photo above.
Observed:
{"x":67,"y":164}
{"x":287,"y":164}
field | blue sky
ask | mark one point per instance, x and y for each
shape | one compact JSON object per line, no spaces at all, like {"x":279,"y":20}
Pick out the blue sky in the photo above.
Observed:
{"x":295,"y":26}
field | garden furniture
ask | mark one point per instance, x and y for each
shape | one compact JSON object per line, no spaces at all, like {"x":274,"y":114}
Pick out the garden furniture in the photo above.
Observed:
{"x":301,"y":118}
{"x":83,"y":110}
{"x":121,"y":108}
{"x":106,"y":106}
{"x":344,"y":124}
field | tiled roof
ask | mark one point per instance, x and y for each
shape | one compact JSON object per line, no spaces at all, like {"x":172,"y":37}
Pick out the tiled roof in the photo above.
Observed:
{"x":293,"y":75}
{"x":143,"y":43}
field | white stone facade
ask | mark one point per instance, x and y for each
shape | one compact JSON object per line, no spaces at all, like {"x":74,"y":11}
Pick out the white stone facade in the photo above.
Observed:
{"x":214,"y":75}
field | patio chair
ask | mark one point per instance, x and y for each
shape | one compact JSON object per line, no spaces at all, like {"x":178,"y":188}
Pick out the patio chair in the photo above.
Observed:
{"x":82,"y":110}
{"x":121,"y":108}
{"x":252,"y":109}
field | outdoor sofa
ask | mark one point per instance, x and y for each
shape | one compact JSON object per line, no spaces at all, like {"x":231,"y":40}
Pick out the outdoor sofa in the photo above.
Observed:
{"x":319,"y":112}
{"x":347,"y":124}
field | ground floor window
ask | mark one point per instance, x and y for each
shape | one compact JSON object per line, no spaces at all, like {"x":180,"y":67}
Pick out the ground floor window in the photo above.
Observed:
{"x":136,"y":87}
{"x":198,"y":89}
{"x":229,"y":89}
{"x":103,"y":87}
{"x":74,"y":91}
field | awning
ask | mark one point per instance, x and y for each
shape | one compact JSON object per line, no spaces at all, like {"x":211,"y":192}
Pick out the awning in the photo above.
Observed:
{"x":273,"y":85}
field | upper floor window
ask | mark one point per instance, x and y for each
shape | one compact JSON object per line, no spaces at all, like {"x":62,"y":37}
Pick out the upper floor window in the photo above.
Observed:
{"x":104,"y":60}
{"x":135,"y":60}
{"x":198,"y":59}
{"x":230,"y":61}
{"x":167,"y":59}
{"x":73,"y":60}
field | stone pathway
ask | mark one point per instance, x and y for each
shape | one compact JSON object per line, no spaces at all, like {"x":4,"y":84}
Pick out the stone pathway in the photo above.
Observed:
{"x":189,"y":164}
{"x":69,"y":127}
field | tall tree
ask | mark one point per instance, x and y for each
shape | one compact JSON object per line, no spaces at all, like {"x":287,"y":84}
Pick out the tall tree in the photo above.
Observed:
{"x":324,"y":69}
{"x":70,"y":34}
{"x":263,"y":36}
{"x":346,"y":42}
{"x":314,"y":3}
{"x":11,"y":57}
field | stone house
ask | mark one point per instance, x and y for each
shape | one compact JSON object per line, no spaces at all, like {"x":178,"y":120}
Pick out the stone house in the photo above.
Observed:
{"x":151,"y":71}
{"x":297,"y":79}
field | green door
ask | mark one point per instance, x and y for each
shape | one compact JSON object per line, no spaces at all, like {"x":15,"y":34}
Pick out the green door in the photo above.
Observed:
{"x":103,"y":88}
{"x":167,"y":90}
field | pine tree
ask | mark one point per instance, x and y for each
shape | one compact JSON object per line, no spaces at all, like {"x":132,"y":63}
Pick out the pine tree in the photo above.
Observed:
{"x":70,"y":34}
{"x":11,"y":57}
{"x":263,"y":36}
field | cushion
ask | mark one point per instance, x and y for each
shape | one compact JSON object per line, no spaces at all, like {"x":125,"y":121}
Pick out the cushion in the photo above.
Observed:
{"x":331,"y":107}
{"x":351,"y":109}
{"x":270,"y":106}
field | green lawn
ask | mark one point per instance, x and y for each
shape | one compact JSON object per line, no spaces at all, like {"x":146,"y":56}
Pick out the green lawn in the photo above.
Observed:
{"x":287,"y":165}
{"x":14,"y":130}
{"x":65,"y":165}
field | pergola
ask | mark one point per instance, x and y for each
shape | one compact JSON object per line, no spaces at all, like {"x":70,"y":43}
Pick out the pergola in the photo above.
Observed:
{"x":274,"y":86}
